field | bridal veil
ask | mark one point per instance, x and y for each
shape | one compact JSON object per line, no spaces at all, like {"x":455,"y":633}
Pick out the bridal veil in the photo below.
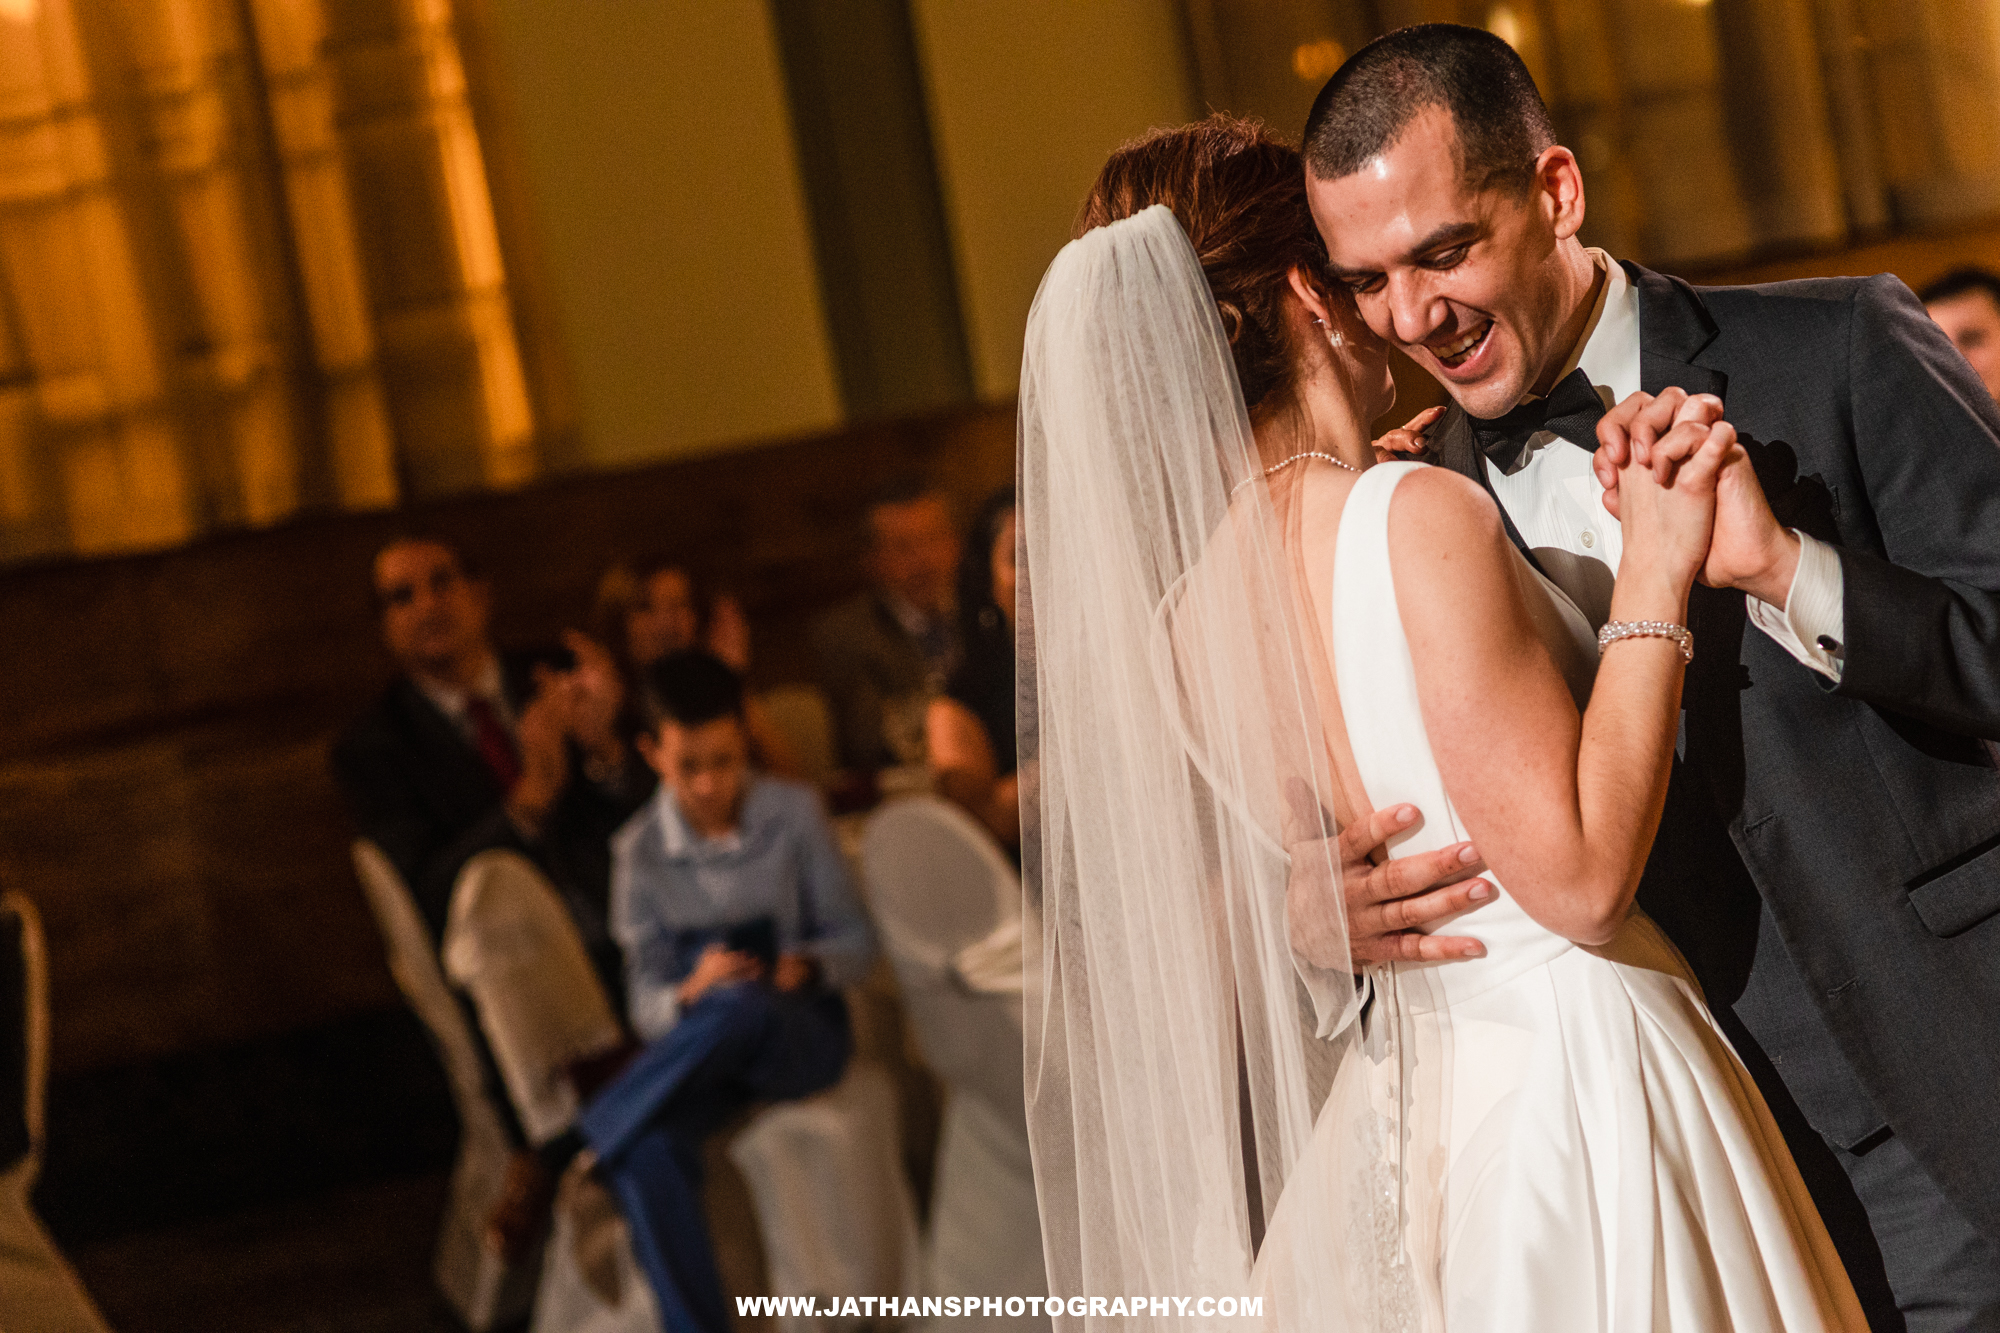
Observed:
{"x":1174,"y":769}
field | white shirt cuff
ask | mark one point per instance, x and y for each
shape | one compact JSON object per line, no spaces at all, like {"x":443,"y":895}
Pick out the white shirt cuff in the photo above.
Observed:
{"x":1812,"y":617}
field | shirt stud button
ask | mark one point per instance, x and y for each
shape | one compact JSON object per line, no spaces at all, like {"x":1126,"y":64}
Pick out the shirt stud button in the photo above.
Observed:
{"x":1589,"y":538}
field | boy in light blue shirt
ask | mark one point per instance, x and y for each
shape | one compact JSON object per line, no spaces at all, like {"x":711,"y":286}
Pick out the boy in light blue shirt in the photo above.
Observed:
{"x":732,"y":903}
{"x":717,"y":854}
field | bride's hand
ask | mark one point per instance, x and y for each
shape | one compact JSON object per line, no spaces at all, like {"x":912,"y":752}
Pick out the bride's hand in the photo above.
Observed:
{"x":1668,"y":524}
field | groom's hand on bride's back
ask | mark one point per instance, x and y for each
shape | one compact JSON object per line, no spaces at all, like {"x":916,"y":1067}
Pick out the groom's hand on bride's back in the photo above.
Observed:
{"x":1388,"y":905}
{"x":1750,"y":550}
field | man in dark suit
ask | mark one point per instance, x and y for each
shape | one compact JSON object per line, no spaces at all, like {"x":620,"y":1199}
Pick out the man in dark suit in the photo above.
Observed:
{"x":471,"y":748}
{"x":1829,"y":860}
{"x":882,"y":653}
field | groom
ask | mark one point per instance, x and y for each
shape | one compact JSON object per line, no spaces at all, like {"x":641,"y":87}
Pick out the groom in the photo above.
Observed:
{"x":1829,"y":860}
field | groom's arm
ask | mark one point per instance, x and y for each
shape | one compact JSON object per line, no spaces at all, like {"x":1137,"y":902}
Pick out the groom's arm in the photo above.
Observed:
{"x":1922,"y":618}
{"x":1918,"y":629}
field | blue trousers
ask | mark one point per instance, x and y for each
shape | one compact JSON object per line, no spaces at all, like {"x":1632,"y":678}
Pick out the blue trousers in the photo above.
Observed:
{"x":736,"y":1045}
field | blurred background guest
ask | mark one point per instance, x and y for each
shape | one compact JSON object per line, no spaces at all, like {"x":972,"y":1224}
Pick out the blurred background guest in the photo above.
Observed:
{"x":1966,"y":304}
{"x":470,"y":748}
{"x":969,"y":730}
{"x":882,"y":653}
{"x":650,"y":607}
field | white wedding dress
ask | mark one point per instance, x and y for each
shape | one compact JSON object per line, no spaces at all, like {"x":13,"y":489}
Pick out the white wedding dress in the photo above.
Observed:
{"x":1571,"y":1143}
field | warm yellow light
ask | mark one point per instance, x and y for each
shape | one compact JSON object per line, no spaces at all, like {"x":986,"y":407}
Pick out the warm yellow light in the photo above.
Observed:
{"x":20,"y":11}
{"x":1315,"y":62}
{"x":1503,"y":23}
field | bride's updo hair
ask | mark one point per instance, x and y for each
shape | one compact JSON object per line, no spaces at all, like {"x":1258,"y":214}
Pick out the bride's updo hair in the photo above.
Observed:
{"x":1240,"y":195}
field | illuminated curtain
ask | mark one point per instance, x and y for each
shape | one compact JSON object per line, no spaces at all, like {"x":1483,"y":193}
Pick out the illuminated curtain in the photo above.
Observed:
{"x":249,"y":265}
{"x":1708,"y":130}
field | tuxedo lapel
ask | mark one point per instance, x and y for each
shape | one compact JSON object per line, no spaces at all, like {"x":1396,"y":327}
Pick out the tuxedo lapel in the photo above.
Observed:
{"x":1453,"y":445}
{"x":1674,"y":327}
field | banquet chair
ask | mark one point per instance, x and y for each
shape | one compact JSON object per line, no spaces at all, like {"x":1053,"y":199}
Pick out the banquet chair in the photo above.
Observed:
{"x":510,"y":945}
{"x":481,"y":1287}
{"x":948,"y":905}
{"x":513,"y":950}
{"x":39,"y":1292}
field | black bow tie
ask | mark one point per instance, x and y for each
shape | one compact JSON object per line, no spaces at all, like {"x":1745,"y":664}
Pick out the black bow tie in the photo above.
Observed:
{"x":1572,"y":410}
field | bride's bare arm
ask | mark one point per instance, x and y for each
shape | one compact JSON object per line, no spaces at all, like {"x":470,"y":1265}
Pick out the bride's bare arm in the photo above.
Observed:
{"x":1562,"y":808}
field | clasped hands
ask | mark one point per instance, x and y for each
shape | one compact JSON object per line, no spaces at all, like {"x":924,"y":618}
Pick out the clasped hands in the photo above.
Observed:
{"x":1393,"y":905}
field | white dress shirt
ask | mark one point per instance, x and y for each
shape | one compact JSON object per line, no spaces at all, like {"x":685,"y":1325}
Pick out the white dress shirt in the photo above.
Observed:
{"x":1557,"y":503}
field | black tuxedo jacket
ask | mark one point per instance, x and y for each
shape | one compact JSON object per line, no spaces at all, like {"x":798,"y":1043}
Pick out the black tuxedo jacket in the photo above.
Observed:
{"x":1829,"y":861}
{"x":420,"y":791}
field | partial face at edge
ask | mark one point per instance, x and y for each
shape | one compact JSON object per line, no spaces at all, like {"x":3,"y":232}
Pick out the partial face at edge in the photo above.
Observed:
{"x":1972,"y":321}
{"x":1468,"y":282}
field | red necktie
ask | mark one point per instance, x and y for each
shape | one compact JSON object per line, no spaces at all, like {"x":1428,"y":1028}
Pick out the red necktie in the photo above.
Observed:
{"x":495,"y":746}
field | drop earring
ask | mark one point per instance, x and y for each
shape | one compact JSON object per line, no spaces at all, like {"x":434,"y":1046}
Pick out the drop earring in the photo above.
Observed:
{"x":1333,"y":338}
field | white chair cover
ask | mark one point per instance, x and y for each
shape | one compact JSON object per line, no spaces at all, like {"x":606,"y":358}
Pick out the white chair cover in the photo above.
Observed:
{"x":801,"y":714}
{"x":480,"y":1287}
{"x":39,"y":1292}
{"x":947,"y":901}
{"x":511,"y":946}
{"x":833,"y":1206}
{"x":566,"y":1303}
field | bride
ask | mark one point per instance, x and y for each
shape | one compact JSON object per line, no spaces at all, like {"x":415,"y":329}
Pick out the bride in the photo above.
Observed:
{"x":1240,"y":632}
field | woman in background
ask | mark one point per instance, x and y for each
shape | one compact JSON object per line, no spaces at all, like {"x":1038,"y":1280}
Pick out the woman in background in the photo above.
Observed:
{"x":969,"y":729}
{"x":652,"y":606}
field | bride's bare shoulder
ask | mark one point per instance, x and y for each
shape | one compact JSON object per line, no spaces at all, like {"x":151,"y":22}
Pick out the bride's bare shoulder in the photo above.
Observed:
{"x":1438,"y":509}
{"x":1448,"y":551}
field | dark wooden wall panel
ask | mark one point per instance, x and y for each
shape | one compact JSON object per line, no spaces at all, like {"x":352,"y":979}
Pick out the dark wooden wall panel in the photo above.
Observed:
{"x":163,"y":731}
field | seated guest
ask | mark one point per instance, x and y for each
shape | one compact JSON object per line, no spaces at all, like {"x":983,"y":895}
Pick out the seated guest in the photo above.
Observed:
{"x":739,"y":927}
{"x":970,"y":728}
{"x":471,"y":749}
{"x":1966,"y":305}
{"x":650,"y":607}
{"x":890,"y":647}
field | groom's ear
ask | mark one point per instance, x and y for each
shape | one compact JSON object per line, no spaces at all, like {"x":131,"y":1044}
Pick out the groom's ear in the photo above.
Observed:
{"x":1559,"y":185}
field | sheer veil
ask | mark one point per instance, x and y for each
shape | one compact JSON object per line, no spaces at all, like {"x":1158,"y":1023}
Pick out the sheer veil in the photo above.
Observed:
{"x":1173,"y":768}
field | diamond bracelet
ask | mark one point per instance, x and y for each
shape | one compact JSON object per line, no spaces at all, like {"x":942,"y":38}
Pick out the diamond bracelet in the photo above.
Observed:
{"x":1614,"y":630}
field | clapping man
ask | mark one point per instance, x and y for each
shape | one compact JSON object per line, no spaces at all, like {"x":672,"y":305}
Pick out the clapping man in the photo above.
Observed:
{"x":470,"y":748}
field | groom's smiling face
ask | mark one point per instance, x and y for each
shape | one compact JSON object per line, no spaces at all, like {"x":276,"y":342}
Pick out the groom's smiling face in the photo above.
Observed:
{"x":1468,"y":279}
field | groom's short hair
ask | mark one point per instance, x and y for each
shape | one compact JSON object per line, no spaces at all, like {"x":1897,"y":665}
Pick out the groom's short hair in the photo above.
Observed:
{"x":1502,"y":123}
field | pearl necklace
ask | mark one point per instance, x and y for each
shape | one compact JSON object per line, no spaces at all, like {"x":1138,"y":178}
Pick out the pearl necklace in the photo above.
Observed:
{"x":1310,"y":453}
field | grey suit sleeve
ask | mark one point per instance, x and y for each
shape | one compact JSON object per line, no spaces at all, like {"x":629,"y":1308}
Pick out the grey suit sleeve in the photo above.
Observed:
{"x":1923,"y":618}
